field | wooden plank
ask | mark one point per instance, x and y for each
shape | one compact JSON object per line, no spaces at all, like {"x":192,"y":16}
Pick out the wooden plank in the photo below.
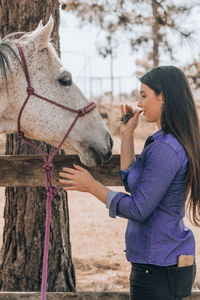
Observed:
{"x":27,"y":170}
{"x":65,"y":296}
{"x":78,"y":296}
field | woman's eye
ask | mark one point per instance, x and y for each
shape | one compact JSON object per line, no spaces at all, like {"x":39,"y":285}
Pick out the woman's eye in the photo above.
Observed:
{"x":66,"y":81}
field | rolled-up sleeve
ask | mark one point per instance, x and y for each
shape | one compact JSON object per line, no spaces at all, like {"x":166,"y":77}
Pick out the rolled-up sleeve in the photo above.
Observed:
{"x":161,"y":165}
{"x":109,"y":197}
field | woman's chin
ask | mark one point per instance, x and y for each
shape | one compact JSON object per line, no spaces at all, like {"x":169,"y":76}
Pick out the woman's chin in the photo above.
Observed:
{"x":149,"y":120}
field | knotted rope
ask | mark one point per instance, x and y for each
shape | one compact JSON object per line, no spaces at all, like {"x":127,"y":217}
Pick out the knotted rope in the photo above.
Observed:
{"x":48,"y":162}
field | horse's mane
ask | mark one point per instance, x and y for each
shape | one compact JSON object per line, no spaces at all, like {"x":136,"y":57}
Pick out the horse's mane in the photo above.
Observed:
{"x":6,"y":49}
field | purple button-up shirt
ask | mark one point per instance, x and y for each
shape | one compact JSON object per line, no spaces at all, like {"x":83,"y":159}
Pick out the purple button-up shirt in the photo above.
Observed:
{"x":154,"y":208}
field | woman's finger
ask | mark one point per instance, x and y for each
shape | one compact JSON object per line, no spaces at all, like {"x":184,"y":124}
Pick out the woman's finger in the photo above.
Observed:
{"x":69,"y":188}
{"x":137,"y":113}
{"x":66,"y":175}
{"x":78,"y":167}
{"x":130,"y":109}
{"x":69,"y":170}
{"x":122,"y":110}
{"x":64,"y":181}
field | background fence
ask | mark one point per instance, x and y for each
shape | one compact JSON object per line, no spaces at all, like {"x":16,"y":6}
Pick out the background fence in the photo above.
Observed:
{"x":106,"y":87}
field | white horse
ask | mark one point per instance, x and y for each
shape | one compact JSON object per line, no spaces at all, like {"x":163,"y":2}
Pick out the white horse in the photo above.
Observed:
{"x":89,"y":138}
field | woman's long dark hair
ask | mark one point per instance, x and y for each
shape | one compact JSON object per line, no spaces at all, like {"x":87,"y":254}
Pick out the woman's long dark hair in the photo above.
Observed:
{"x":179,"y":117}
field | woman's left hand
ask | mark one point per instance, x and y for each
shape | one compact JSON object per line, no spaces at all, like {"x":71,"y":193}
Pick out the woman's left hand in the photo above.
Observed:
{"x":129,"y":127}
{"x":78,"y":179}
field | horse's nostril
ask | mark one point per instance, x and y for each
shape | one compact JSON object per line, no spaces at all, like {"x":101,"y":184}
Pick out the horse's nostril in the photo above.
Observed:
{"x":107,"y":156}
{"x":97,"y":156}
{"x":110,"y":141}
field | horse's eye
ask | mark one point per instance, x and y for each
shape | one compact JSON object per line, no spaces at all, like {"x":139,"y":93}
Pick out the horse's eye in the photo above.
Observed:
{"x":66,"y":81}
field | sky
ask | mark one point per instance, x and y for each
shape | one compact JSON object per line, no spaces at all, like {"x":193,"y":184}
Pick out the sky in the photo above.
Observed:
{"x":80,"y":44}
{"x":80,"y":57}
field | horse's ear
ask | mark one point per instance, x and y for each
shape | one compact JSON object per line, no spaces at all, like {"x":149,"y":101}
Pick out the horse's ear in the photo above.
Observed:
{"x":40,"y":26}
{"x":41,"y":35}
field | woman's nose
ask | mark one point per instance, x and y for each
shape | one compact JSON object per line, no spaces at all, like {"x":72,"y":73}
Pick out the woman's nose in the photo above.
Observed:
{"x":139,"y":104}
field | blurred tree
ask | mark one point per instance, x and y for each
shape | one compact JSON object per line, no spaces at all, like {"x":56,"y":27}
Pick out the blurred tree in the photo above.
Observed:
{"x":192,"y":70}
{"x":25,"y":208}
{"x":153,"y":24}
{"x":143,"y":65}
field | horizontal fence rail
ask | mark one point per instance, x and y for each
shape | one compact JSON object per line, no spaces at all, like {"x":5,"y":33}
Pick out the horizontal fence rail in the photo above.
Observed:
{"x":77,"y":296}
{"x":64,"y":296}
{"x":27,"y":170}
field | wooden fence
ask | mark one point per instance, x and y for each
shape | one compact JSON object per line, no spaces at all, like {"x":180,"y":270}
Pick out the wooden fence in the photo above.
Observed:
{"x":26,"y":170}
{"x":77,"y":296}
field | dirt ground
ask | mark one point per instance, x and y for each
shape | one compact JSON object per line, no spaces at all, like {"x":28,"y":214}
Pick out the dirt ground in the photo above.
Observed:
{"x":97,"y":240}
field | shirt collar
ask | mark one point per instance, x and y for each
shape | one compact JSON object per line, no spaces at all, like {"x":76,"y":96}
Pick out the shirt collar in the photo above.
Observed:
{"x":158,"y":134}
{"x":153,"y":138}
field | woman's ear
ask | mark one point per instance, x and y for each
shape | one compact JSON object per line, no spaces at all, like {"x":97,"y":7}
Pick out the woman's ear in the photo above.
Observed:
{"x":161,"y":96}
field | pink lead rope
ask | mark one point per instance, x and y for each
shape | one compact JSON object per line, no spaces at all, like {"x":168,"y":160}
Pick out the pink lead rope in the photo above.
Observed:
{"x":48,"y":166}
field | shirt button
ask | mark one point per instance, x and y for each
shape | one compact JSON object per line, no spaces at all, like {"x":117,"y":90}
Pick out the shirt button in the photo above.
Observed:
{"x":147,"y":271}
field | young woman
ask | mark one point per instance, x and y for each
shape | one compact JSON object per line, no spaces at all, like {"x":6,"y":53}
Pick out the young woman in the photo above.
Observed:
{"x":159,"y":246}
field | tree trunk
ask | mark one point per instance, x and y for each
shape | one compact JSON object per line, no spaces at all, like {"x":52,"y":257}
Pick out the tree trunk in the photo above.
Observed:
{"x":155,"y":33}
{"x":25,"y":208}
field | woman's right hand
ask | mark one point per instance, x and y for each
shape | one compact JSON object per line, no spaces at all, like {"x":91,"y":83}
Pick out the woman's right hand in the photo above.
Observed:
{"x":129,"y":127}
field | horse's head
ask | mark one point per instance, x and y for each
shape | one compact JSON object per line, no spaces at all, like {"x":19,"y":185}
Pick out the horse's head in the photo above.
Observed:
{"x":89,"y":138}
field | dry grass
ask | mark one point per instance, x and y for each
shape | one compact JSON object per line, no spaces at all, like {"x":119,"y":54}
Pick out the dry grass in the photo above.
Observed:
{"x":97,"y":240}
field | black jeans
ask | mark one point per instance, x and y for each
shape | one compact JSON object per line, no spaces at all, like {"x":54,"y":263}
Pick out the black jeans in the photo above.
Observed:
{"x":151,"y":282}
